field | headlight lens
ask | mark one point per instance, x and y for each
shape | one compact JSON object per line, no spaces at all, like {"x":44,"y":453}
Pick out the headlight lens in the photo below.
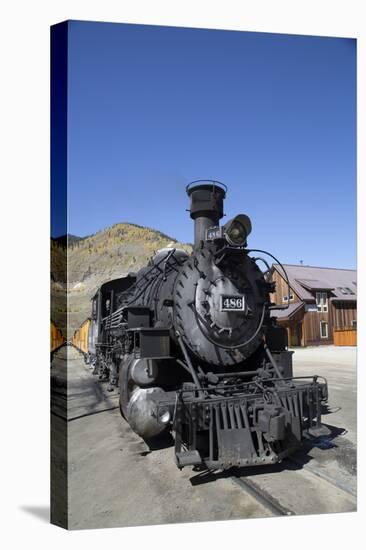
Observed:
{"x":236,"y":234}
{"x":237,"y":229}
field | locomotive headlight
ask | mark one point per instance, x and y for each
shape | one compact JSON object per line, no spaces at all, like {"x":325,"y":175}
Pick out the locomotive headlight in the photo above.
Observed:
{"x":237,"y":230}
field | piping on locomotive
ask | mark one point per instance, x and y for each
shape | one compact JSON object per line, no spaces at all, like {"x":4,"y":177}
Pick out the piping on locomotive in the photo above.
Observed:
{"x":192,"y":343}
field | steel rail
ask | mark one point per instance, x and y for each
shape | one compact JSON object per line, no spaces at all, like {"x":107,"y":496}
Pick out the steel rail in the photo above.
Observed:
{"x":266,"y":500}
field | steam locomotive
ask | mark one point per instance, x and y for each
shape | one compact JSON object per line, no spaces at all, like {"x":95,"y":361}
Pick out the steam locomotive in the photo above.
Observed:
{"x":193,"y":344}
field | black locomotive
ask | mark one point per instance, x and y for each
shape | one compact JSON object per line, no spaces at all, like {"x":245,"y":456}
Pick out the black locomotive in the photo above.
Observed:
{"x":192,"y":343}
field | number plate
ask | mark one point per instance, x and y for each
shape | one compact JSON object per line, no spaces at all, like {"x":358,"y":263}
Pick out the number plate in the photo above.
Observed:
{"x":232,"y":303}
{"x":213,"y":233}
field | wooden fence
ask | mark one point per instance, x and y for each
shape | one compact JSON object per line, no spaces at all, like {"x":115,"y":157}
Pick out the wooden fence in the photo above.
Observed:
{"x":80,"y":338}
{"x":56,"y":339}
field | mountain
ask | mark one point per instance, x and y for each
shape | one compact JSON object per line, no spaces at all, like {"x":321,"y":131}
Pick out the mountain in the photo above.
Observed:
{"x":95,"y":259}
{"x":65,"y":240}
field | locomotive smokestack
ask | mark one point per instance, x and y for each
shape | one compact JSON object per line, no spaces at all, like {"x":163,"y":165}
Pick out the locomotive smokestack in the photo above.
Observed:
{"x":207,"y":206}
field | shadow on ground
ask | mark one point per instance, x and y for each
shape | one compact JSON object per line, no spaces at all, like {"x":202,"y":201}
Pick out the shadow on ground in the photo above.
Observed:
{"x":40,"y":512}
{"x":332,"y":442}
{"x":295,"y":462}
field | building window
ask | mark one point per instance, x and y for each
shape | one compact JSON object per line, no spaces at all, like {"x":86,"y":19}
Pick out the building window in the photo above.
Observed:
{"x":322,"y":301}
{"x":354,"y":323}
{"x":286,"y":298}
{"x":323,"y":329}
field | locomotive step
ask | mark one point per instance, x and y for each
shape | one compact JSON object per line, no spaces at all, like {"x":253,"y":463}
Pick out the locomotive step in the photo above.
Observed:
{"x":188,"y":458}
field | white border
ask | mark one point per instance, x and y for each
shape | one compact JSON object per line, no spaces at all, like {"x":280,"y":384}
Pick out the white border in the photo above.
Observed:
{"x":25,"y":228}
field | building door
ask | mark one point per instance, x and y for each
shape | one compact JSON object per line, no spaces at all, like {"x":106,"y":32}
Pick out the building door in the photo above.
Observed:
{"x":296,"y":334}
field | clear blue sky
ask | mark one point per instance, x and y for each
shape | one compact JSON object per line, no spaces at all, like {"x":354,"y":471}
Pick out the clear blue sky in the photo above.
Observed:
{"x":272,"y":116}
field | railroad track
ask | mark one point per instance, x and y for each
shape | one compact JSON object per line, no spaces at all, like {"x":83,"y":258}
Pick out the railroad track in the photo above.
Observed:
{"x":296,"y":492}
{"x":264,"y":498}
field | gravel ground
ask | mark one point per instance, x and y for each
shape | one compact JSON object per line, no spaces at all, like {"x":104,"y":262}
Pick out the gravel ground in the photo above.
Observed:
{"x":337,"y":454}
{"x":339,"y":366}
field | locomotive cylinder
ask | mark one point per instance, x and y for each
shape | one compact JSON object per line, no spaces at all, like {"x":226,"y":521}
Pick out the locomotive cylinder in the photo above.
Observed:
{"x":142,"y":412}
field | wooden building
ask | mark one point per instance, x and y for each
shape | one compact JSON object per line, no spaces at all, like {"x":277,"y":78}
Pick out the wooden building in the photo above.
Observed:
{"x":321,"y":304}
